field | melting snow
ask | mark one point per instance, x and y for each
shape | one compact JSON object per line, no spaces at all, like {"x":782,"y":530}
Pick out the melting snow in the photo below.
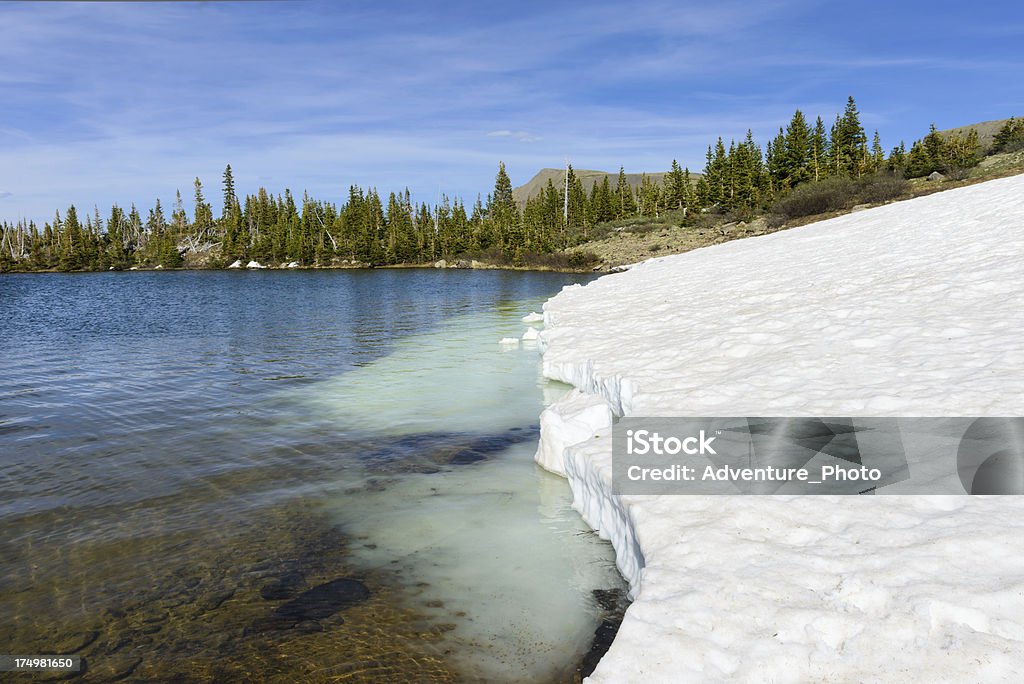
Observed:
{"x":913,"y":308}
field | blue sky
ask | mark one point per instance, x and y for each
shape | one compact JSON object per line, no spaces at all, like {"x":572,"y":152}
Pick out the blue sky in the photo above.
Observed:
{"x":122,"y":102}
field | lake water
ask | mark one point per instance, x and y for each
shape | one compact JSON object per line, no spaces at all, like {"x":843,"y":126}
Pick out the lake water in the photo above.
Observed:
{"x":286,"y":476}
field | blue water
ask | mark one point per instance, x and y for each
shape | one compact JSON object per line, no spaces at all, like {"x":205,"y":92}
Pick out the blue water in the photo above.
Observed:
{"x":172,"y":443}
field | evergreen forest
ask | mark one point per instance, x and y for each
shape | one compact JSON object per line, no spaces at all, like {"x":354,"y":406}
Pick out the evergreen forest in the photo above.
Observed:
{"x":366,"y":228}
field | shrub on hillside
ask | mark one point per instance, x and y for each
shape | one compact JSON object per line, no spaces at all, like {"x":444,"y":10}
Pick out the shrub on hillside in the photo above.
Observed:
{"x":880,"y":188}
{"x":835,"y":194}
{"x":830,"y":194}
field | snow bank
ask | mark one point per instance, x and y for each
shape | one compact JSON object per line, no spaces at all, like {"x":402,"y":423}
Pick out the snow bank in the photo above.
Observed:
{"x":908,"y":309}
{"x":573,"y":419}
{"x":254,"y":264}
{"x":237,"y":263}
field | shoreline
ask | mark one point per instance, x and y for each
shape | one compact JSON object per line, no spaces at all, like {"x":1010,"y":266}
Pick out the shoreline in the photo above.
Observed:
{"x":482,"y":267}
{"x":723,"y":232}
{"x":798,"y":588}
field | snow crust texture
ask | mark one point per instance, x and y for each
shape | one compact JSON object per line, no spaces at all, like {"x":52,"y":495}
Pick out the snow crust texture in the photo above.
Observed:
{"x":911,"y":309}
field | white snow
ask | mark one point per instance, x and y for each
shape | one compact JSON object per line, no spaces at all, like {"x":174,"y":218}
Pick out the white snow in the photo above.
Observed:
{"x":530,"y":334}
{"x":575,"y":418}
{"x":533,"y":317}
{"x":237,"y":263}
{"x":909,"y":309}
{"x":509,"y":341}
{"x":254,"y":264}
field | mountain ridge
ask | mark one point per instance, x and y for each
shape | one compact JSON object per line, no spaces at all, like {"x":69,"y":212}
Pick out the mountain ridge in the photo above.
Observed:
{"x":588,"y":177}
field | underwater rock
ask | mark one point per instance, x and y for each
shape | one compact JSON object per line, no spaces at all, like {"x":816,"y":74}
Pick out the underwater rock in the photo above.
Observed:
{"x":315,"y":604}
{"x":425,"y":452}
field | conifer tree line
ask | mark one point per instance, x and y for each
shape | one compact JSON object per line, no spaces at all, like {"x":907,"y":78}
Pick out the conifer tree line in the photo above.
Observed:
{"x":367,"y":229}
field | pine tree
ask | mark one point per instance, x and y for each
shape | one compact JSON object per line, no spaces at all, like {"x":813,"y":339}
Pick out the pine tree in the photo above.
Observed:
{"x":798,"y":153}
{"x":897,"y":162}
{"x":848,"y":142}
{"x":934,"y":147}
{"x":179,"y":219}
{"x":775,"y":159}
{"x":134,"y":228}
{"x":231,"y":219}
{"x":675,"y":187}
{"x":690,"y":199}
{"x":919,"y":162}
{"x":203,"y":222}
{"x":650,"y":197}
{"x":714,"y":188}
{"x":962,"y":152}
{"x":625,"y":203}
{"x":578,"y":219}
{"x":819,"y":150}
{"x":601,"y":209}
{"x":1010,"y":137}
{"x":399,"y":247}
{"x":877,"y":154}
{"x":551,"y":214}
{"x":230,"y":199}
{"x":70,"y":253}
{"x":118,"y":254}
{"x":503,"y":213}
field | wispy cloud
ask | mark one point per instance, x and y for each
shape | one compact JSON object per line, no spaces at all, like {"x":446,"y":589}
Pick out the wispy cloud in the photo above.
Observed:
{"x":109,"y":102}
{"x":521,"y":136}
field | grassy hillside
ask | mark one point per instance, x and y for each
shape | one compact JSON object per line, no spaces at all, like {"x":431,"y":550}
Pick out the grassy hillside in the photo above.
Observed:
{"x":588,"y":178}
{"x":627,"y":241}
{"x":986,"y":131}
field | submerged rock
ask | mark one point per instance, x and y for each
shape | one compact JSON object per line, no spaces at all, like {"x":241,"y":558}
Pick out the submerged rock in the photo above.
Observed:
{"x":323,"y":601}
{"x":428,"y":452}
{"x":305,"y":611}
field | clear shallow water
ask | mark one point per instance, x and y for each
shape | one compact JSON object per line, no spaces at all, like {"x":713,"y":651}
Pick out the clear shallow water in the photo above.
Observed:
{"x":173,"y":444}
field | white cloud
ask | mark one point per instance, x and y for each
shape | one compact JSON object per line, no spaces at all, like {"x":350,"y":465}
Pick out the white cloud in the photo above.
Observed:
{"x":124,"y":102}
{"x":521,"y":136}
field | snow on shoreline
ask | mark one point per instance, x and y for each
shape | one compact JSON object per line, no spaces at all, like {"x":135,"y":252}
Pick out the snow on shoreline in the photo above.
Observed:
{"x":908,"y":309}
